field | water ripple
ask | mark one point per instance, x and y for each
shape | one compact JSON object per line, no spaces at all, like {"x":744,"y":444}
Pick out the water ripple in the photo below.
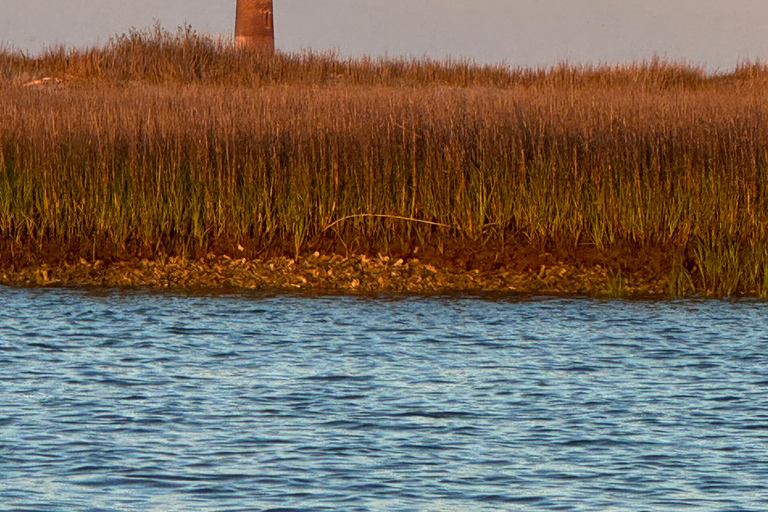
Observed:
{"x":136,"y":401}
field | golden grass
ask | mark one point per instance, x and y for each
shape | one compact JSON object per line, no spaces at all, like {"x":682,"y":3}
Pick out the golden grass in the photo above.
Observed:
{"x":179,"y":143}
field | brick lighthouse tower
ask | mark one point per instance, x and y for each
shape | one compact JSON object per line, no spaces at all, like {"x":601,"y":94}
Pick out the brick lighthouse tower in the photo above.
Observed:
{"x":254,"y":25}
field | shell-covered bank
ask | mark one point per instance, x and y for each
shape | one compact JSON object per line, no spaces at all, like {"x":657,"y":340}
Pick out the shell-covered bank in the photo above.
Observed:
{"x":333,"y":274}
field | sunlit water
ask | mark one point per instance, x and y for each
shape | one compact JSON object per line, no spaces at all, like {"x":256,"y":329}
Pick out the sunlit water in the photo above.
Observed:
{"x":136,"y":402}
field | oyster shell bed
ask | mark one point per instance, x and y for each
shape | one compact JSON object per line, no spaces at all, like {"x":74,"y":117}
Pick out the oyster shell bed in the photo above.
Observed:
{"x":326,"y":273}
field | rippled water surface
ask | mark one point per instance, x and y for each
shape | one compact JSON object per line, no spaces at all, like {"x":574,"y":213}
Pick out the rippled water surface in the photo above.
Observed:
{"x":135,"y":402}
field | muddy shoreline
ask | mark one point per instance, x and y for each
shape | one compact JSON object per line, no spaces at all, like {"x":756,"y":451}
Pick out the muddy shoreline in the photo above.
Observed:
{"x":337,"y":274}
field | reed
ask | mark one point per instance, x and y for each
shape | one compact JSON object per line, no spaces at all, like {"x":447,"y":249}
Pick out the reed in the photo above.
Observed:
{"x":177,"y":143}
{"x":156,"y":56}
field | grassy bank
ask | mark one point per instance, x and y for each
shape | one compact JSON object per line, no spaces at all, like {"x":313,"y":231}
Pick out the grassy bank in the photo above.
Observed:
{"x":181,"y":145}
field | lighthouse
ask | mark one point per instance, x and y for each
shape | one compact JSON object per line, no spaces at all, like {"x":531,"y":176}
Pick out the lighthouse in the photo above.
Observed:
{"x":254,"y":25}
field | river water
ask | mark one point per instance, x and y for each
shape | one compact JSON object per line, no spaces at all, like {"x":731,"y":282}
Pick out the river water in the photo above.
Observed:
{"x":134,"y":401}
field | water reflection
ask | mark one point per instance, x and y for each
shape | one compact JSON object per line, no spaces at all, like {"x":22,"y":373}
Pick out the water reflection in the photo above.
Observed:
{"x":135,"y":401}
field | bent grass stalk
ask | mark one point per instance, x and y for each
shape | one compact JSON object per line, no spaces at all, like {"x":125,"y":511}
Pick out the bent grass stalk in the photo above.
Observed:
{"x":382,"y":216}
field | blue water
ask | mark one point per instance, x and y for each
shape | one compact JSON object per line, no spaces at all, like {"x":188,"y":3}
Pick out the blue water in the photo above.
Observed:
{"x":133,"y":401}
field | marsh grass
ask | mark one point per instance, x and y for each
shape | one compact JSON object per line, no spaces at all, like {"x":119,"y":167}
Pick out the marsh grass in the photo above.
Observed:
{"x":176,"y":143}
{"x":615,"y":286}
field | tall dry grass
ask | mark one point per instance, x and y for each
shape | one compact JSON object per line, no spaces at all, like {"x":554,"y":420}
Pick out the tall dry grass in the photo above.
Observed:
{"x":180,"y":143}
{"x":156,"y":56}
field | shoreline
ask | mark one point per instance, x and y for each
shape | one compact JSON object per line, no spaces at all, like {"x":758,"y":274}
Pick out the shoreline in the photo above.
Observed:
{"x":641,"y":180}
{"x":337,"y":274}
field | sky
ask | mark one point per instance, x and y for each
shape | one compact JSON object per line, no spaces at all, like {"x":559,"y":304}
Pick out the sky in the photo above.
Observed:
{"x":716,"y":34}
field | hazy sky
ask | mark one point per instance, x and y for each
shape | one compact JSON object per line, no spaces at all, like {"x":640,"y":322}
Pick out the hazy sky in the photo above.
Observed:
{"x":714,"y":33}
